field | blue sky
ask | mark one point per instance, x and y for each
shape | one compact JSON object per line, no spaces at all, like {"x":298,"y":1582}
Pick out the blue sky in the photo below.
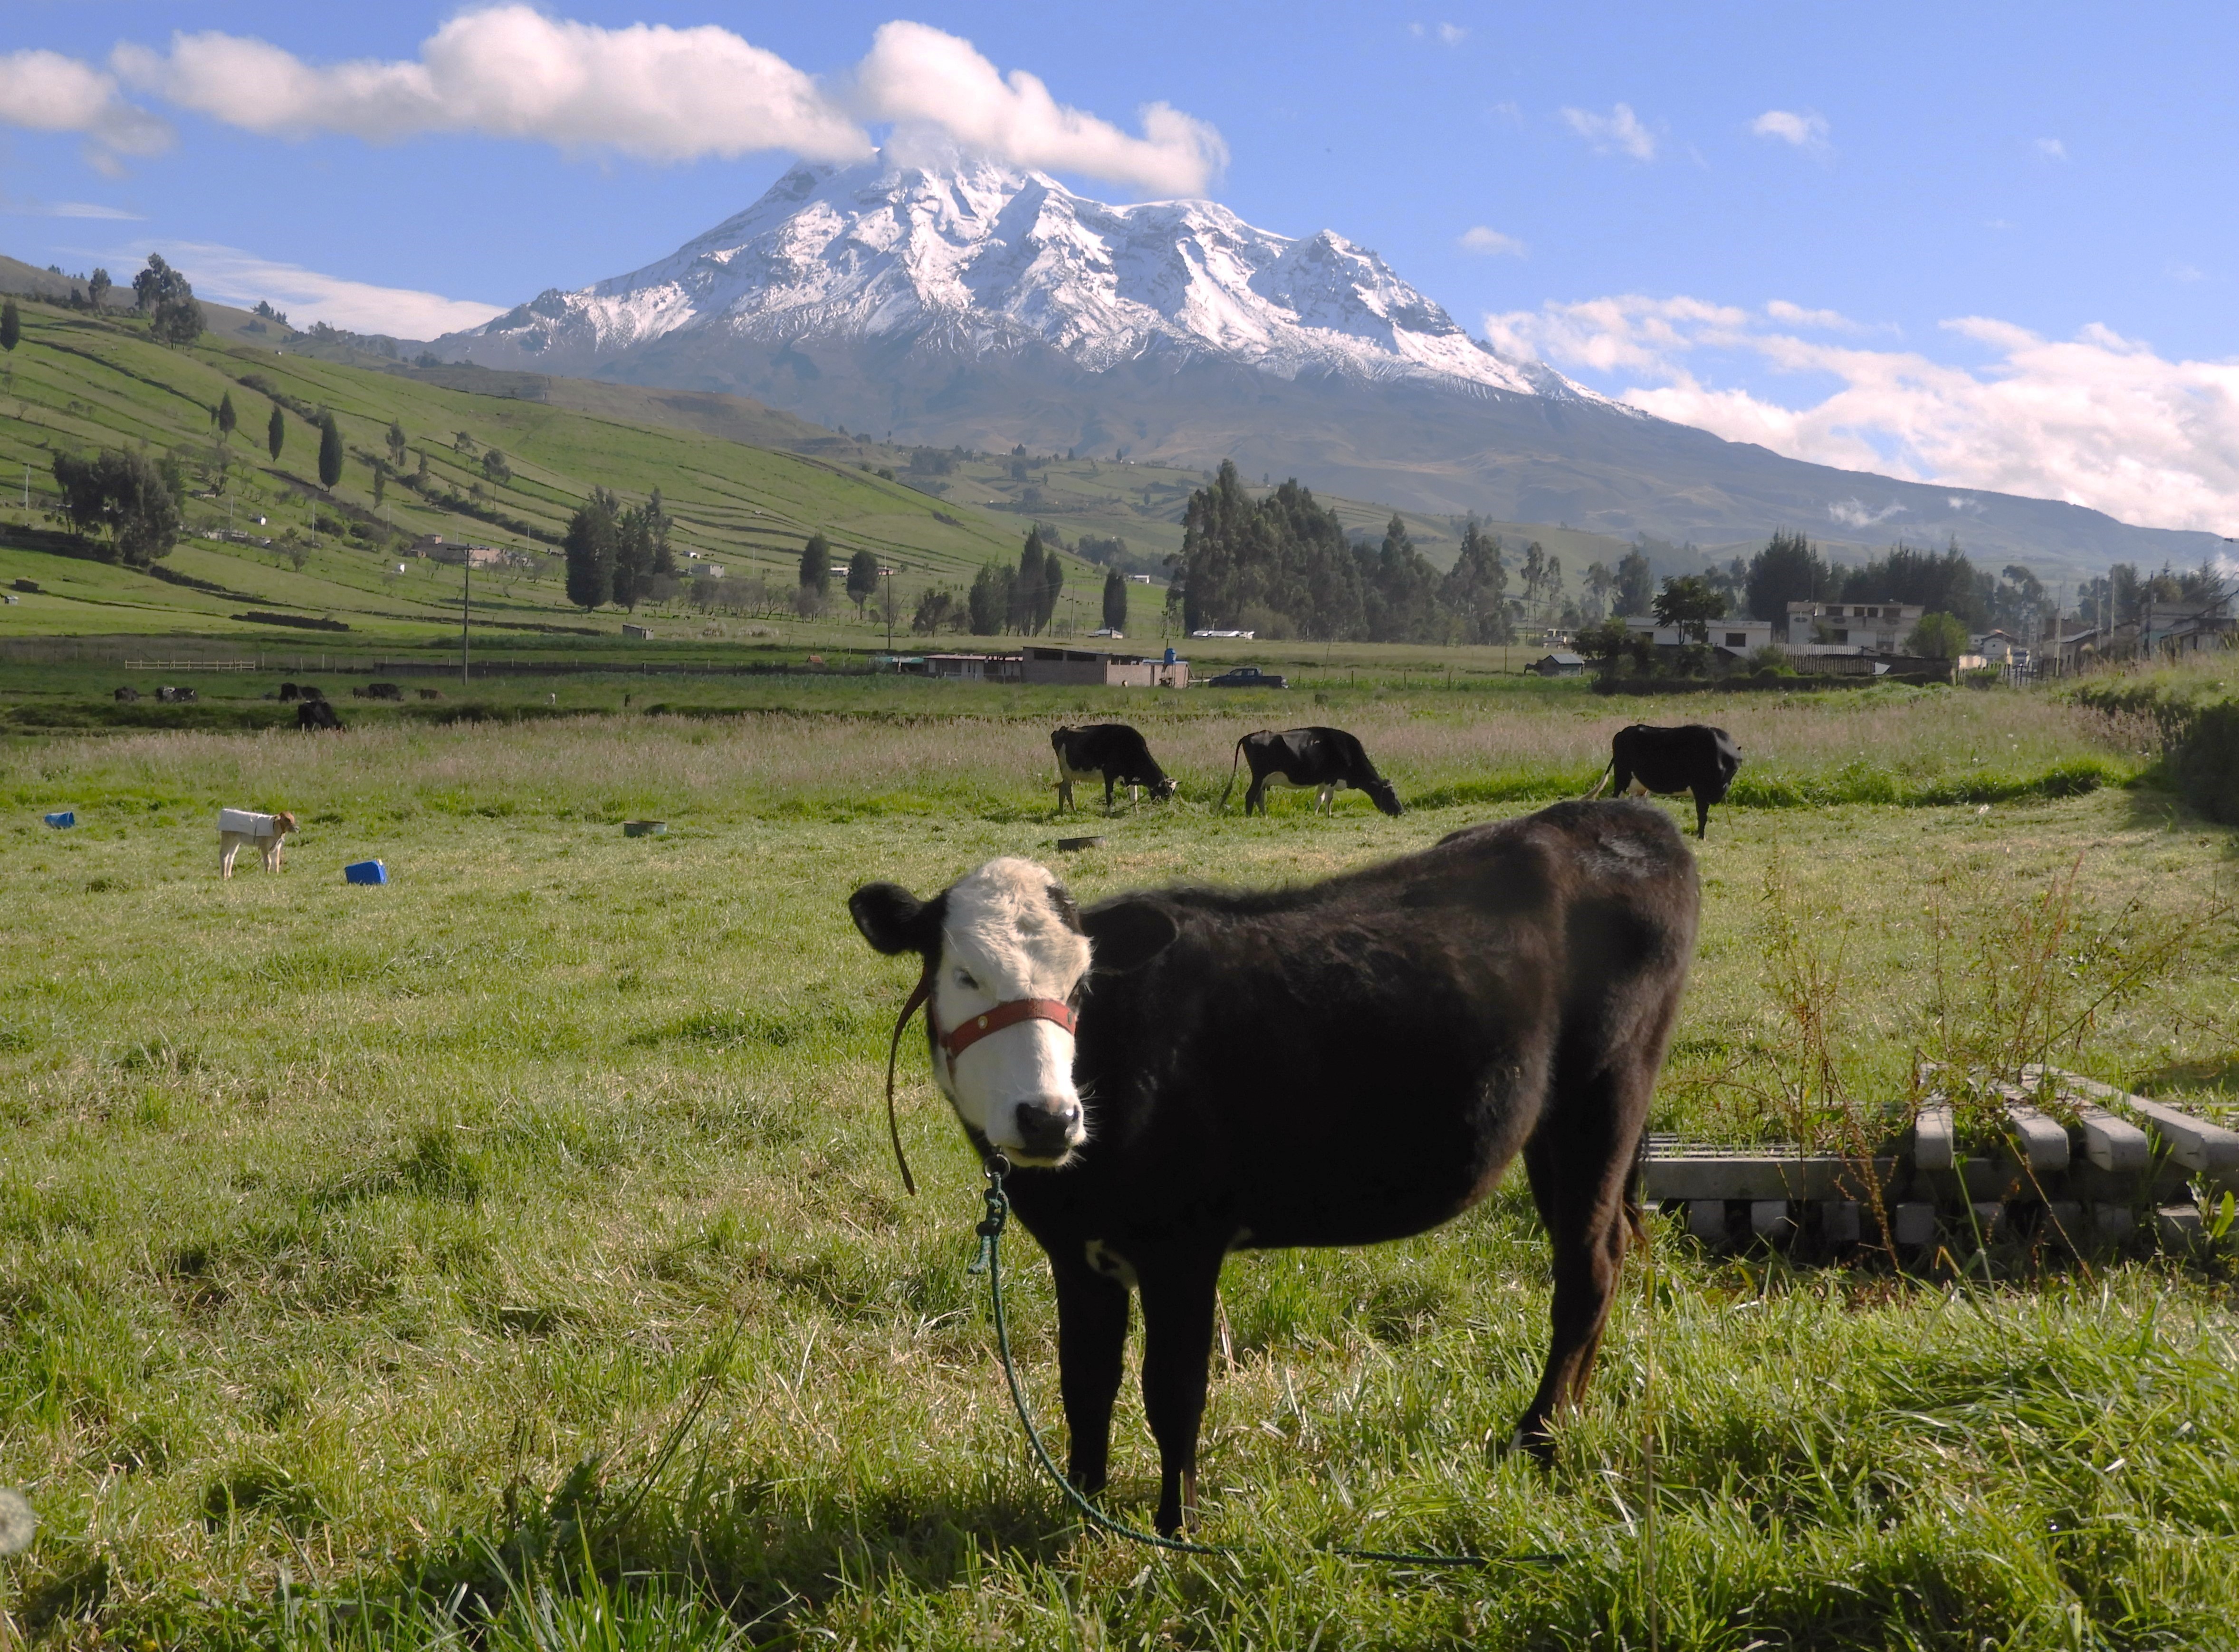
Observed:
{"x":1990,"y":245}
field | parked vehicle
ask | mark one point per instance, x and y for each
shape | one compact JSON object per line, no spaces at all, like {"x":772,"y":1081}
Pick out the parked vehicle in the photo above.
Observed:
{"x":1247,"y":677}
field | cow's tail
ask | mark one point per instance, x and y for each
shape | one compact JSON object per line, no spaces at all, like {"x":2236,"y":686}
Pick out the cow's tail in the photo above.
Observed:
{"x":1234,"y":760}
{"x":1604,"y":781}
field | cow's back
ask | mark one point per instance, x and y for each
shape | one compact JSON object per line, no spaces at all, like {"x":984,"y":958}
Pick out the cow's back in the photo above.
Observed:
{"x":1380,"y":1043}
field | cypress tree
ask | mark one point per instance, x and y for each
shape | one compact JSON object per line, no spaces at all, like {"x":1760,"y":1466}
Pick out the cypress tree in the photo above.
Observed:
{"x":816,"y":569}
{"x":276,"y":432}
{"x":226,"y":416}
{"x":590,"y":552}
{"x":1027,"y":590}
{"x":1115,"y":600}
{"x":1052,"y":587}
{"x":11,"y":325}
{"x":330,"y":452}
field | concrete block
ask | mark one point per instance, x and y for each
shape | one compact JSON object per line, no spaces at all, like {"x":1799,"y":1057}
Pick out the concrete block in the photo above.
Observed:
{"x":2194,"y":1143}
{"x":2042,"y":1142}
{"x":2112,"y":1223}
{"x":1990,"y":1219}
{"x":1912,"y":1224}
{"x":1769,"y":1221}
{"x":2113,"y":1143}
{"x":2178,"y":1227}
{"x":1933,"y":1139}
{"x":2063,"y":1224}
{"x":1839,"y":1221}
{"x":1706,"y":1220}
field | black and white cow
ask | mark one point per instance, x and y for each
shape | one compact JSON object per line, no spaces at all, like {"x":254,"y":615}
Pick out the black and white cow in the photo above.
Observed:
{"x":1321,"y":758}
{"x":313,"y":714}
{"x":1113,"y":753}
{"x":169,"y":696}
{"x":1178,"y":1074}
{"x":1693,"y":757}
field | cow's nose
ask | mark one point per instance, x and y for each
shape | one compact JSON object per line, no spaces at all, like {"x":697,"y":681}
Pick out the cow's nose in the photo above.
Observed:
{"x":1046,"y":1125}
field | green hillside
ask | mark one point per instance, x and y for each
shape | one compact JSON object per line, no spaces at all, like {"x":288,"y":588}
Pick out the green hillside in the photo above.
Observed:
{"x":77,"y":382}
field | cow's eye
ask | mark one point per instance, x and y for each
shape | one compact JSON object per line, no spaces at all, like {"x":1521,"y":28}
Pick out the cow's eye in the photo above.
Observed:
{"x":965,"y":980}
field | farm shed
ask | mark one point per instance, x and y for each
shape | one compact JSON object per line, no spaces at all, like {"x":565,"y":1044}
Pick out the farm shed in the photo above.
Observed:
{"x":1561,"y":664}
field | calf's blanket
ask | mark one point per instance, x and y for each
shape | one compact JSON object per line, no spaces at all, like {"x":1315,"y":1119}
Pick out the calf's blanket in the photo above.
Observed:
{"x":248,"y":824}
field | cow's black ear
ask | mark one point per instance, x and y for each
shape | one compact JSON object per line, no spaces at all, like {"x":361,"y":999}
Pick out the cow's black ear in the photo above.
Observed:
{"x":894,"y":920}
{"x":1127,"y":934}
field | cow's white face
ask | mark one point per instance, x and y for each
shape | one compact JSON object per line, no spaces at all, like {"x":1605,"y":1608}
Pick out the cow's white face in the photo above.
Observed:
{"x":1006,"y":931}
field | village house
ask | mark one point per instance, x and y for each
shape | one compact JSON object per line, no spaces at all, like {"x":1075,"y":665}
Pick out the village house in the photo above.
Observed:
{"x":1042,"y":665}
{"x":1740,"y":638}
{"x":1878,"y":628}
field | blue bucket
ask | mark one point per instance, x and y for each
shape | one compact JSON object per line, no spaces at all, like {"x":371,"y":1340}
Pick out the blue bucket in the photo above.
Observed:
{"x":365,"y":871}
{"x":63,"y":819}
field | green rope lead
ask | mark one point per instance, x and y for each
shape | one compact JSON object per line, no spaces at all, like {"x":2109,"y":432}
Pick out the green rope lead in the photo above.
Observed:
{"x":990,"y":1263}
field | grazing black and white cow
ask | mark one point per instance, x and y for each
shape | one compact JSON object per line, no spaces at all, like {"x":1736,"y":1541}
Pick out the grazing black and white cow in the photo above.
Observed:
{"x":1693,"y":757}
{"x":1322,"y":757}
{"x":1178,"y":1074}
{"x":316,"y":714}
{"x":1113,"y":753}
{"x":171,"y":696}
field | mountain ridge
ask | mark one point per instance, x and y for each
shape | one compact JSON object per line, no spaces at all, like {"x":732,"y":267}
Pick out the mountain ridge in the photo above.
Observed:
{"x":983,"y":306}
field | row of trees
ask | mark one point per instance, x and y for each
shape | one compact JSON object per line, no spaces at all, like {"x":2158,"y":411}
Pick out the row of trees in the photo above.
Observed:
{"x":616,"y":553}
{"x":1283,"y":564}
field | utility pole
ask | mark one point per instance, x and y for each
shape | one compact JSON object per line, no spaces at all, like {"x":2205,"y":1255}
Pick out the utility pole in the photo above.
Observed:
{"x":465,"y":596}
{"x":889,"y":575}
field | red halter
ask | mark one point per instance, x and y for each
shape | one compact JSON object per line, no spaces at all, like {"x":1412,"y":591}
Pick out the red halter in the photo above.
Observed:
{"x":957,"y":1042}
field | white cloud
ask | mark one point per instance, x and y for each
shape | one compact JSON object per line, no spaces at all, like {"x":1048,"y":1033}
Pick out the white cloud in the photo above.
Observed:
{"x":1850,"y":513}
{"x":2187,"y":273}
{"x":2098,"y":419}
{"x":67,"y":210}
{"x":920,"y":77}
{"x":45,"y":91}
{"x":1827,"y":321}
{"x":232,"y":276}
{"x":1618,"y":132}
{"x":664,"y":94}
{"x":1452,"y":33}
{"x":1805,"y":131}
{"x":1478,"y":238}
{"x":647,"y":90}
{"x":2051,"y":147}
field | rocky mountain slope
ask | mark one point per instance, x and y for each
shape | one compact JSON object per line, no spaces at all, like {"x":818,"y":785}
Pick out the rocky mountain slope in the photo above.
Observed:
{"x":981,"y":306}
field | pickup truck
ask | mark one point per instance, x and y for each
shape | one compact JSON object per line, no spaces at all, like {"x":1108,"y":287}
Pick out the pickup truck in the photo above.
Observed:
{"x":1247,"y":677}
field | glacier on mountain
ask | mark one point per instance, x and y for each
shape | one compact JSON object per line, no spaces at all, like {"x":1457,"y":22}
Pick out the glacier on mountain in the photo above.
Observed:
{"x":982,"y":259}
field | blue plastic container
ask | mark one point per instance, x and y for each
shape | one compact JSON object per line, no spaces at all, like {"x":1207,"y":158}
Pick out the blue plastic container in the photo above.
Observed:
{"x":365,"y":871}
{"x":66,"y":819}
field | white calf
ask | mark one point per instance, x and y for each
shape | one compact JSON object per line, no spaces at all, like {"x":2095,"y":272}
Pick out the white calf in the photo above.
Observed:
{"x":237,"y":827}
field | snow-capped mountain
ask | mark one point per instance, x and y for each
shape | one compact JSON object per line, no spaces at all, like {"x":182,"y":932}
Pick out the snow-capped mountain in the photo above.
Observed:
{"x":980,"y":260}
{"x":976,"y":304}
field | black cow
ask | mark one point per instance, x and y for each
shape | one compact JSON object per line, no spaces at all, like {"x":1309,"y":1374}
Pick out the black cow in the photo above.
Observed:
{"x":175,"y":696}
{"x":1323,"y":758}
{"x":126,"y":694}
{"x":1112,"y":751}
{"x":289,"y":693}
{"x":315,"y":714}
{"x":378,"y":690}
{"x":1340,"y":1063}
{"x":1694,"y":757}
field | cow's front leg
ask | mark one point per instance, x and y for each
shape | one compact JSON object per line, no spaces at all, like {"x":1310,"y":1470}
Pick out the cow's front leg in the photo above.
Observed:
{"x":1110,"y":781}
{"x":1178,"y":1310}
{"x":1092,"y":1337}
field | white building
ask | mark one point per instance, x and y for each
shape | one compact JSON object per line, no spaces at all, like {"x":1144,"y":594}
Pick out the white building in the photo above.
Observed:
{"x":1740,"y":638}
{"x":1879,"y":627}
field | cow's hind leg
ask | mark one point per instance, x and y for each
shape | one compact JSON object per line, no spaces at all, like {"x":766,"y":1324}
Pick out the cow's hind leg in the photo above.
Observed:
{"x":1702,"y":816}
{"x":1091,"y":1336}
{"x":1178,"y":1310}
{"x":1580,"y":1163}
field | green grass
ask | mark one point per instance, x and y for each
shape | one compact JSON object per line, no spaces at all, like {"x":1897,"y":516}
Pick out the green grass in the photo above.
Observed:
{"x":531,"y":1218}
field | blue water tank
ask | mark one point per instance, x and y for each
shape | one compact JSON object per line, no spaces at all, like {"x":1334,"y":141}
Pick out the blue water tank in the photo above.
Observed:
{"x":62,"y":819}
{"x":365,"y":871}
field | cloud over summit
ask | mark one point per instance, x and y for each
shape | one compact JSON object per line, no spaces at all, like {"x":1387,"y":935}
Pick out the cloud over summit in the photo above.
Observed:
{"x":649,"y":91}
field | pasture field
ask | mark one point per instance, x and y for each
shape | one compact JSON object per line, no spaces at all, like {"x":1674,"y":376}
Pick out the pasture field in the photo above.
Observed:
{"x":512,"y":1256}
